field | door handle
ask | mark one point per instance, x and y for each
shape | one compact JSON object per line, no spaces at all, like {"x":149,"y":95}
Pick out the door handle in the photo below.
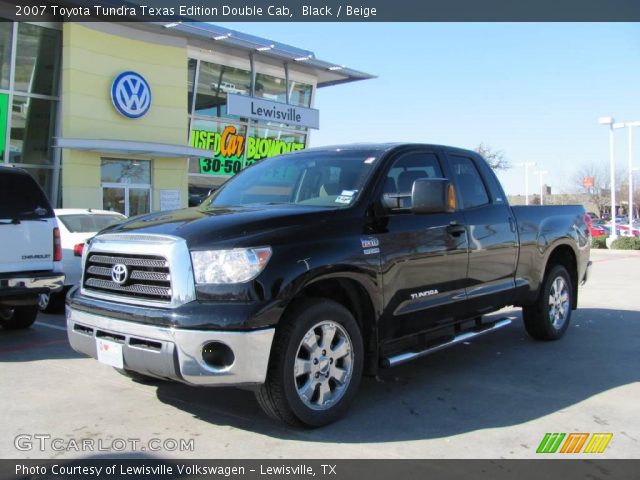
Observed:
{"x":512,"y":225}
{"x":456,"y":230}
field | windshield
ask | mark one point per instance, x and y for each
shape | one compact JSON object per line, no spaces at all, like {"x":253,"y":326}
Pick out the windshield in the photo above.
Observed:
{"x":85,"y":223}
{"x":318,"y":178}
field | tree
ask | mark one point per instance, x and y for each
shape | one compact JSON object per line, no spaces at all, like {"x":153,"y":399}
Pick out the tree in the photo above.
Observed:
{"x":600,"y":192}
{"x":495,"y":158}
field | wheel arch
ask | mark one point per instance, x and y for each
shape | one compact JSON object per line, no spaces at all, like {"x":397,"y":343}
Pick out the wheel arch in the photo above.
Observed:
{"x":350,"y":292}
{"x":563,"y":254}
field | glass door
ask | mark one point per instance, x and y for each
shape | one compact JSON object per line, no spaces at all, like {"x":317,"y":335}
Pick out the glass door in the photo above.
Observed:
{"x":126,"y":186}
{"x":114,"y":199}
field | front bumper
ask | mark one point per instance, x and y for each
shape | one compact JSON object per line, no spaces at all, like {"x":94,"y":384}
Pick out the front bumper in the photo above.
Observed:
{"x":172,"y":353}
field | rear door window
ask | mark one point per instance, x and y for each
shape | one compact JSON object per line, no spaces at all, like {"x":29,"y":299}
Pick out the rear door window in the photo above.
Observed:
{"x":21,"y":198}
{"x":469,"y":182}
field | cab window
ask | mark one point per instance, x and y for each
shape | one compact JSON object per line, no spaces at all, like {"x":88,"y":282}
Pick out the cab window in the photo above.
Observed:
{"x":469,"y":182}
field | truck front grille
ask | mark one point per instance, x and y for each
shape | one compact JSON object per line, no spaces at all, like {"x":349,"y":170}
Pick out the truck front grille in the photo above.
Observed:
{"x":139,"y":276}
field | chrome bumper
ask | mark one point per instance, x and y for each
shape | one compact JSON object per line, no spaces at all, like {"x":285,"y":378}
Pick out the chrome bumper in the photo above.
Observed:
{"x":39,"y":283}
{"x":175,"y":354}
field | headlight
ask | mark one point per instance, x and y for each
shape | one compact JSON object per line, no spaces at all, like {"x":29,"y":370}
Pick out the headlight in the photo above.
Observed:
{"x":229,"y":266}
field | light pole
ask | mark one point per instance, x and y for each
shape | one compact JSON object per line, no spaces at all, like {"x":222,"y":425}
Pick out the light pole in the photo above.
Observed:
{"x":541,"y":173}
{"x":630,"y":126}
{"x":612,"y":164}
{"x":632,"y":172}
{"x":526,"y":166}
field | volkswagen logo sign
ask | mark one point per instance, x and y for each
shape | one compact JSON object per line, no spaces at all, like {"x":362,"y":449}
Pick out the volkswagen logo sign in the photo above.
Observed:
{"x":131,"y":94}
{"x":119,"y":273}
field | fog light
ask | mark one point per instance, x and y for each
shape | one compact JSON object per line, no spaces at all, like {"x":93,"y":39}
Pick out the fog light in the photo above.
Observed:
{"x":217,"y":355}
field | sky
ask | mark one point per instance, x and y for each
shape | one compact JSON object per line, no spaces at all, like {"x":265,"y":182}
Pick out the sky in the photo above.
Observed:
{"x":534,"y":91}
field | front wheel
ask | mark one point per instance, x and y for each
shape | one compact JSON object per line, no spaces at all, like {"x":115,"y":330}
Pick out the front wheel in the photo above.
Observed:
{"x":315,"y":366}
{"x":549,"y":317}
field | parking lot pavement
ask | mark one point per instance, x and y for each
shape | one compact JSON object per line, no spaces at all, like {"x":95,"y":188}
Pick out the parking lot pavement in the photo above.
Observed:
{"x":492,"y":398}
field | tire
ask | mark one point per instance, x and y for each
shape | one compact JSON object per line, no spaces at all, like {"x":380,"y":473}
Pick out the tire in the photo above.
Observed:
{"x":137,"y":377}
{"x":321,"y":341}
{"x":51,"y":302}
{"x":18,"y":318}
{"x":549,"y":317}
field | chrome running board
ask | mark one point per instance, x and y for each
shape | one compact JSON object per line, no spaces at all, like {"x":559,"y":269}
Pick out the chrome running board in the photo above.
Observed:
{"x":404,"y":357}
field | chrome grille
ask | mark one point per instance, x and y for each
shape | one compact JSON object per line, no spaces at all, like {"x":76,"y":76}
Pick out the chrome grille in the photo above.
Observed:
{"x":148,"y":276}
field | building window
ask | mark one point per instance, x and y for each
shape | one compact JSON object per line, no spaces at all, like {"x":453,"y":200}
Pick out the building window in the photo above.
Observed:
{"x":214,"y":83}
{"x":28,"y":104}
{"x":37,"y":57}
{"x":271,"y":88}
{"x":126,"y":186}
{"x":227,"y":142}
{"x":32,"y":122}
{"x":191,"y":80}
{"x":266,"y":142}
{"x":235,"y":142}
{"x":300,"y":93}
{"x":6,"y":32}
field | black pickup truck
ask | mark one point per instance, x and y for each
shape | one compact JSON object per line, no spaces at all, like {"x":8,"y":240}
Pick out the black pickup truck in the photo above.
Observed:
{"x":308,"y":270}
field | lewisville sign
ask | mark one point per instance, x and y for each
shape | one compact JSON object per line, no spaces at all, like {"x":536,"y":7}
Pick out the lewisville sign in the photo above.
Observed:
{"x":266,"y":110}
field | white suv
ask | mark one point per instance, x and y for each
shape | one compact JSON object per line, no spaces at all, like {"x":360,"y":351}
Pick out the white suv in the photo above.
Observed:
{"x":30,"y":253}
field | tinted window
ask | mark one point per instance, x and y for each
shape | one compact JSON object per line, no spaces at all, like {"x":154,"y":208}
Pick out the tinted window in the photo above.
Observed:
{"x":408,"y":169}
{"x":21,"y":198}
{"x":84,"y":223}
{"x":469,"y":182}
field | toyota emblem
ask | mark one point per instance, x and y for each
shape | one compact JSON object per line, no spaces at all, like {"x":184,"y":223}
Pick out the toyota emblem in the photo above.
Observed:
{"x":119,"y":273}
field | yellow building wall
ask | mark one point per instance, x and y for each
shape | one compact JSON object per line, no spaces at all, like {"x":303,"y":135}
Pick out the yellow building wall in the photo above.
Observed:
{"x":91,"y":59}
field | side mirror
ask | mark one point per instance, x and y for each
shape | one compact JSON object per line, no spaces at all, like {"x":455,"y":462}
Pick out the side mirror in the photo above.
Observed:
{"x":433,"y":195}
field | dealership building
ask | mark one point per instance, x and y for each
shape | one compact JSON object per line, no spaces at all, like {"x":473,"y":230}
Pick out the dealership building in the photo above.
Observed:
{"x":133,"y":117}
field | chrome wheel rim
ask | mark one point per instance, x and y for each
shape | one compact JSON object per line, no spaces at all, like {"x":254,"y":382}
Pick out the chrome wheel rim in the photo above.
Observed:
{"x":323,"y":365}
{"x":559,"y":306}
{"x":43,"y":301}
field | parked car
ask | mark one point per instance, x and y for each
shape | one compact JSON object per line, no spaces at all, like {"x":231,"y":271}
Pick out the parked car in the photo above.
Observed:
{"x":76,"y":227}
{"x":359,"y":258}
{"x":594,"y":229}
{"x":622,"y":230}
{"x":30,"y":253}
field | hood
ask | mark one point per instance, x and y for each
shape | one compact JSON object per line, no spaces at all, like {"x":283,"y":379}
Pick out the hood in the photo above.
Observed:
{"x":238,"y":225}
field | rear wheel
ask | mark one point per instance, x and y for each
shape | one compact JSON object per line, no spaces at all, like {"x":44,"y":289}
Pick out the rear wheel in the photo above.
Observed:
{"x":549,"y":317}
{"x":16,"y":318}
{"x":315,"y":366}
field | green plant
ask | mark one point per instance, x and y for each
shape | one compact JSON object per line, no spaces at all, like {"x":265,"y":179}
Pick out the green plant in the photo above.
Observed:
{"x":626,"y":243}
{"x":599,"y":242}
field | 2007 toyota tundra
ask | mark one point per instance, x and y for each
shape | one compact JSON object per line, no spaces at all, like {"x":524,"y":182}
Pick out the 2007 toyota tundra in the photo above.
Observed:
{"x":307,"y":270}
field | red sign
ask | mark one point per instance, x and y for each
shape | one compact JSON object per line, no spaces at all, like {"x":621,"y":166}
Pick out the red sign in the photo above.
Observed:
{"x":587,"y":182}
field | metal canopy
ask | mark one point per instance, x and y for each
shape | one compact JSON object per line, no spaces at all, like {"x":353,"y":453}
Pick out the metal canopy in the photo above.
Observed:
{"x":125,"y":147}
{"x":328,"y":73}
